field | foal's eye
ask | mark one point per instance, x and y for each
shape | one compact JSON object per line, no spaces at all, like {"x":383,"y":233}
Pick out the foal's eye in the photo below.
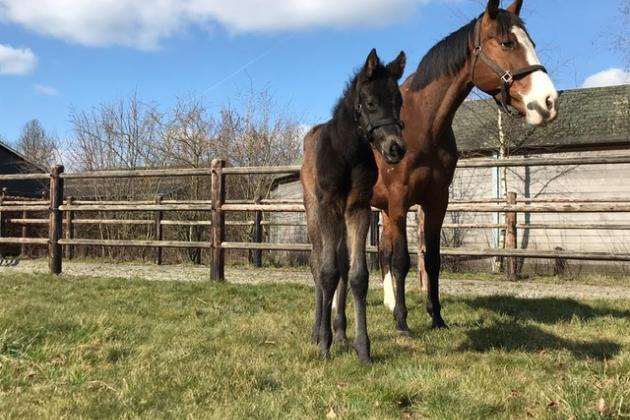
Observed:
{"x":508,"y":45}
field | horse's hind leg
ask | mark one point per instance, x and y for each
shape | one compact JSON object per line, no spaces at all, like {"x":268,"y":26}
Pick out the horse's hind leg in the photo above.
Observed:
{"x":331,"y":227}
{"x":314,"y":235}
{"x":358,"y":223}
{"x":434,"y":216}
{"x":339,"y":303}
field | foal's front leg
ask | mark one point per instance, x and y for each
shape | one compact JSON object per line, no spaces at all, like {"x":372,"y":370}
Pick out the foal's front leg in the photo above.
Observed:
{"x":358,"y":223}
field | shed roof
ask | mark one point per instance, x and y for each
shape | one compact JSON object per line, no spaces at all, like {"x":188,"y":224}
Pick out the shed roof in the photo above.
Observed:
{"x":589,"y":119}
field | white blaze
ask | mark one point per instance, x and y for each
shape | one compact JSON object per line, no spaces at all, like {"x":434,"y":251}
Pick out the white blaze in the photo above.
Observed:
{"x":389,"y":299}
{"x":541,"y":85}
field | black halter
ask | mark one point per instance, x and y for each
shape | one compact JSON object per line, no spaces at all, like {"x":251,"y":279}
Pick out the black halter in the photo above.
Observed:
{"x":370,"y":125}
{"x":507,"y":76}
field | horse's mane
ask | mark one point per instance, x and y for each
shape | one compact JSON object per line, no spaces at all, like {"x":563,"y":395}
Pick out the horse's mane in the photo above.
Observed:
{"x":448,"y":56}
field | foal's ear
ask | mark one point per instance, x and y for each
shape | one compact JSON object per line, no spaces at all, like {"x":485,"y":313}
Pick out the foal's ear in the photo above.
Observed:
{"x":515,"y":7}
{"x":371,"y":64}
{"x":492,"y":10}
{"x":397,"y":67}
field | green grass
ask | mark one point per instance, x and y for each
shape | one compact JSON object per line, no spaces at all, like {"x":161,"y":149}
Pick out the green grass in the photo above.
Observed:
{"x":73,"y":347}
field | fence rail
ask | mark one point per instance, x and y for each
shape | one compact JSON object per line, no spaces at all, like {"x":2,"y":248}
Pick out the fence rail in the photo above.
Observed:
{"x":218,"y":207}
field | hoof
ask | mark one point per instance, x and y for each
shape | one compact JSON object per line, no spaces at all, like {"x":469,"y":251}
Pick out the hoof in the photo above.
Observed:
{"x":439,"y":325}
{"x":341,"y":338}
{"x":364,"y":357}
{"x":402,"y":326}
{"x":363,"y":352}
{"x":404,"y":333}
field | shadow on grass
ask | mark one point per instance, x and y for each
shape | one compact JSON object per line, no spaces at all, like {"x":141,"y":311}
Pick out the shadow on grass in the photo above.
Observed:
{"x":546,"y":310}
{"x":512,"y":335}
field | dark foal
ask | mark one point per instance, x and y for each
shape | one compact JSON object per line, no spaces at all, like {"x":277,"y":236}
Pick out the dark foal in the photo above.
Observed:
{"x":338,"y":174}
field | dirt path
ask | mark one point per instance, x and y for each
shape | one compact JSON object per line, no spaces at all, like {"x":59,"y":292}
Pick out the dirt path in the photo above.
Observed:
{"x":256,"y":276}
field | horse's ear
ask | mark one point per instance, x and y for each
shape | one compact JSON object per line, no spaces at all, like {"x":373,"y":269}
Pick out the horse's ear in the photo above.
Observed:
{"x":397,"y":67}
{"x":492,"y":10}
{"x":371,"y":64}
{"x":515,"y":7}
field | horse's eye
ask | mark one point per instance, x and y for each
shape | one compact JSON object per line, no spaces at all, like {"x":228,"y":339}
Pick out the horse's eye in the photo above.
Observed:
{"x":370,"y":105}
{"x":508,"y":45}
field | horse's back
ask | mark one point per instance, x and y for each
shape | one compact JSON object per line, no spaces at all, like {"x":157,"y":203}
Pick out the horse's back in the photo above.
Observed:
{"x":308,"y":172}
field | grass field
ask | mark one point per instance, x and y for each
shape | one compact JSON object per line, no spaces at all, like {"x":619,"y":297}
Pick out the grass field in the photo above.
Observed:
{"x":73,"y":347}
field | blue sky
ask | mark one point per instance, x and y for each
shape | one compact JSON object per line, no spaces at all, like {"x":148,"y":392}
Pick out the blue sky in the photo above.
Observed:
{"x":59,"y":55}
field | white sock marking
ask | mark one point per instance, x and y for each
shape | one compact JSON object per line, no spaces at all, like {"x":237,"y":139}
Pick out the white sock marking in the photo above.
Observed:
{"x":389,"y":299}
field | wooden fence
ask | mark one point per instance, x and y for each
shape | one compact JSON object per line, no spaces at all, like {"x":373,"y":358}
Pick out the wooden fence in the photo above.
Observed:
{"x":57,"y":207}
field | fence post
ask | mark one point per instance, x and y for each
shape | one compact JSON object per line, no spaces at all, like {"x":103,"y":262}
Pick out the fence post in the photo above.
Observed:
{"x":257,"y":237}
{"x":423,"y":277}
{"x":69,"y":249}
{"x":158,"y":231}
{"x":24,"y":234}
{"x":4,"y":191}
{"x":55,"y":220}
{"x":511,"y":238}
{"x":217,"y":269}
{"x":374,"y":240}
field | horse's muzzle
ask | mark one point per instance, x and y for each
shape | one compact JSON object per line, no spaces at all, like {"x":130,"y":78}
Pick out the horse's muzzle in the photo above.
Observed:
{"x":393,"y":151}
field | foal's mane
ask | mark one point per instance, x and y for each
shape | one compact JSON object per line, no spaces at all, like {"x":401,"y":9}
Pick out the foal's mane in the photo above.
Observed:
{"x":448,"y":56}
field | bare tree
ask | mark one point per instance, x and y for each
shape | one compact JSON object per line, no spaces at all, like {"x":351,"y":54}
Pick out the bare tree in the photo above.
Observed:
{"x":37,"y":145}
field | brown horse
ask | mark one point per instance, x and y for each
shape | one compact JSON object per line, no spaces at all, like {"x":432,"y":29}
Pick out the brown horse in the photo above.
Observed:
{"x":494,"y":53}
{"x":338,"y":175}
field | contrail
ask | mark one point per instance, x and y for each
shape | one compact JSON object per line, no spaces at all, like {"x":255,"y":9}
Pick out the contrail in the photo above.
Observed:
{"x":244,"y":66}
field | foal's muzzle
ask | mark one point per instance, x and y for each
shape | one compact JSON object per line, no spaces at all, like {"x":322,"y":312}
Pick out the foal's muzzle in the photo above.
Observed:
{"x":392,"y":148}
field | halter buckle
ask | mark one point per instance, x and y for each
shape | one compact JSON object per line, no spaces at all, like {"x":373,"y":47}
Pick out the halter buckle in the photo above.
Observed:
{"x":507,"y":78}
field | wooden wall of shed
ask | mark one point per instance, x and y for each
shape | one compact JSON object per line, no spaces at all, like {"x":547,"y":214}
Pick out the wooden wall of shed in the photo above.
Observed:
{"x":571,"y":182}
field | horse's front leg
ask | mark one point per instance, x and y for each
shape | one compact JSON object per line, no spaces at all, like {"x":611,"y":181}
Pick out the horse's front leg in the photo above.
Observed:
{"x":395,"y":254}
{"x":433,"y":219}
{"x":358,"y":223}
{"x":385,"y":251}
{"x":400,"y":265}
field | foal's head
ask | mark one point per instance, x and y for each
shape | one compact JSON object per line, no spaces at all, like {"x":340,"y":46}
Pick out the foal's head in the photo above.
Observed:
{"x":377,"y":103}
{"x":501,"y":37}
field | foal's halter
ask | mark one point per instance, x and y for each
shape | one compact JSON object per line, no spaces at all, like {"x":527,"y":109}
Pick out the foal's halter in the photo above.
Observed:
{"x":507,"y":76}
{"x":366,"y":122}
{"x":370,"y":125}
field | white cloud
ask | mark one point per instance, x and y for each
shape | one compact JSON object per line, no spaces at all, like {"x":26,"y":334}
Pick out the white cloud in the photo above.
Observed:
{"x":143,"y":24}
{"x":610,"y":77}
{"x":16,"y":61}
{"x":44,"y":90}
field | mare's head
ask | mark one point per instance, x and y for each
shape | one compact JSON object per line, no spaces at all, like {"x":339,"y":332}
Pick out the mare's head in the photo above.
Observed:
{"x":505,"y":64}
{"x":377,"y":102}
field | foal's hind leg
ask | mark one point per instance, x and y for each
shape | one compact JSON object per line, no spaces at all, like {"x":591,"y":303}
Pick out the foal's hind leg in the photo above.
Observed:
{"x":331,"y":227}
{"x":314,"y":235}
{"x":358,"y":223}
{"x":339,"y":303}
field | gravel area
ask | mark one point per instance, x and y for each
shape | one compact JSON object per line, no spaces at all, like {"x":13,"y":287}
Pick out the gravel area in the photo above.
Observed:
{"x":257,"y":276}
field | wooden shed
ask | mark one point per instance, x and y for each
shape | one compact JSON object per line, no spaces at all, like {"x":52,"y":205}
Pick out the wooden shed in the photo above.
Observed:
{"x":12,"y":162}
